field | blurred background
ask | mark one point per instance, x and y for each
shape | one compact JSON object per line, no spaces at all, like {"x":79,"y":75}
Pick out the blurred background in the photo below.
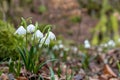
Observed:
{"x":74,"y":20}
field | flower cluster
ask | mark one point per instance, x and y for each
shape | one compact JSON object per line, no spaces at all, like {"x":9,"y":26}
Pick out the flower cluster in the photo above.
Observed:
{"x":33,"y":40}
{"x":37,"y":34}
{"x":110,"y":43}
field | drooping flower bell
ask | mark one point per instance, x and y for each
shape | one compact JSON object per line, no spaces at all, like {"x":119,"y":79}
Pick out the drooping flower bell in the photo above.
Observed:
{"x":51,"y":36}
{"x":111,"y":43}
{"x":47,"y":38}
{"x":45,"y":41}
{"x":20,"y":31}
{"x":30,"y":28}
{"x":38,"y":34}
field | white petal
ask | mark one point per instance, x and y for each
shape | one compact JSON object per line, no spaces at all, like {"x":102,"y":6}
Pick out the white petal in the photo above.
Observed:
{"x":21,"y":30}
{"x":61,"y":46}
{"x":86,"y":44}
{"x":75,"y":49}
{"x":45,"y":41}
{"x":86,"y":41}
{"x":55,"y":47}
{"x":38,"y":34}
{"x":111,"y":43}
{"x":51,"y":36}
{"x":30,"y":28}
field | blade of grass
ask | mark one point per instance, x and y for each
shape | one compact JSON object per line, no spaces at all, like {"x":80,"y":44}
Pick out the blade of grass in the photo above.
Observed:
{"x":52,"y":74}
{"x":46,"y":62}
{"x":22,"y":56}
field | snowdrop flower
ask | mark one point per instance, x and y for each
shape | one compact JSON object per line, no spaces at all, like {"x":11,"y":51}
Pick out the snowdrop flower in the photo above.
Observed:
{"x":51,"y":35}
{"x":111,"y":43}
{"x":75,"y":49}
{"x":21,"y":30}
{"x":55,"y":47}
{"x":30,"y":28}
{"x":61,"y":46}
{"x":38,"y":34}
{"x":45,"y":40}
{"x":86,"y":44}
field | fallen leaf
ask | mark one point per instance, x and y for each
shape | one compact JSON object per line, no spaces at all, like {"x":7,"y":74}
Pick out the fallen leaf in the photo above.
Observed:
{"x":4,"y":77}
{"x":109,"y":71}
{"x":22,"y":78}
{"x":90,"y":78}
{"x":113,"y":79}
{"x":104,"y":77}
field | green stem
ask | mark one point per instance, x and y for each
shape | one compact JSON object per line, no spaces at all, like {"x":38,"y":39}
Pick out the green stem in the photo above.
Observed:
{"x":46,"y":27}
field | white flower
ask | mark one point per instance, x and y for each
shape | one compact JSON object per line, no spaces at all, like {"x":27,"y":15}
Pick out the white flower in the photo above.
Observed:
{"x":75,"y":49}
{"x":111,"y":43}
{"x":45,"y":41}
{"x":30,"y":28}
{"x":38,"y":34}
{"x":86,"y":44}
{"x":61,"y":46}
{"x":21,"y":30}
{"x":55,"y":47}
{"x":51,"y":35}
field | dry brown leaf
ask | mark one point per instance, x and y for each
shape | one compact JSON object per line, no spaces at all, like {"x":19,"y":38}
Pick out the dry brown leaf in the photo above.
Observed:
{"x":90,"y":78}
{"x":104,"y":77}
{"x":22,"y":78}
{"x":113,"y":79}
{"x":4,"y":77}
{"x":109,"y":71}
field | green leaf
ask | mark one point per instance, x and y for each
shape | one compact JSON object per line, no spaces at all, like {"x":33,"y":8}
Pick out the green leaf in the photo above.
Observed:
{"x":22,"y":53}
{"x":46,"y":62}
{"x":30,"y":55}
{"x":40,"y":77}
{"x":24,"y":23}
{"x":47,"y":27}
{"x":11,"y":66}
{"x":115,"y":27}
{"x":52,"y":74}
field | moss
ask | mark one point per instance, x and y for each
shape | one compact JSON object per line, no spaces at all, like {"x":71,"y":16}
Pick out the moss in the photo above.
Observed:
{"x":75,"y":19}
{"x":8,"y":41}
